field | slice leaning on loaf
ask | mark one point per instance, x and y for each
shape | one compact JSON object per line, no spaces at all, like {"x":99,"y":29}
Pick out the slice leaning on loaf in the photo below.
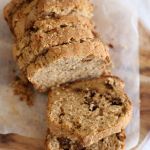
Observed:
{"x":89,"y":110}
{"x":69,"y":62}
{"x":113,"y":142}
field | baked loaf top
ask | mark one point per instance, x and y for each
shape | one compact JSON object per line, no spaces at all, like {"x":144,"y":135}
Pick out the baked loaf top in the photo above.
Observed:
{"x":21,"y":14}
{"x":89,"y":110}
{"x":113,"y":142}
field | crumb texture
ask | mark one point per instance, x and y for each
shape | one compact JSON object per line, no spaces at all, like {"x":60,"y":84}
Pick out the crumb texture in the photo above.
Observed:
{"x":90,"y":109}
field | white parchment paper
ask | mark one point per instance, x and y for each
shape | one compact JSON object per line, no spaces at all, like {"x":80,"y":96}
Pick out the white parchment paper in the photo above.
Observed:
{"x":116,"y":22}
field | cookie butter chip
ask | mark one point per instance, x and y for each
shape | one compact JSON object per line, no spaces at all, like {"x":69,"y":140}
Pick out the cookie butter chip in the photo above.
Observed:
{"x":33,"y":29}
{"x":116,"y":101}
{"x":61,"y":115}
{"x":63,"y":26}
{"x":64,"y":143}
{"x":88,"y":58}
{"x":93,"y":106}
{"x":109,"y":84}
{"x":89,"y":100}
{"x":77,"y":125}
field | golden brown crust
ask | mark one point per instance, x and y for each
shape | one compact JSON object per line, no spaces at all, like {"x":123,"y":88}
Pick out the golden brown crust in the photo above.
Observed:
{"x":88,"y":137}
{"x":42,"y":41}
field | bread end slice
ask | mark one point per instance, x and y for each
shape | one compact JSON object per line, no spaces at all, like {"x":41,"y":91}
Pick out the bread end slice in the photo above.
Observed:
{"x":89,"y":109}
{"x":70,"y":62}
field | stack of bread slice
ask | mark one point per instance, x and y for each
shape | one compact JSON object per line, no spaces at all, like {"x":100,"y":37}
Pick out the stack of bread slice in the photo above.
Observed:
{"x":57,"y":49}
{"x":56,"y":41}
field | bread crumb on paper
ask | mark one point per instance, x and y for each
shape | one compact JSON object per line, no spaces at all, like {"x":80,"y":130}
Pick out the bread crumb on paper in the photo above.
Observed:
{"x":23,"y":90}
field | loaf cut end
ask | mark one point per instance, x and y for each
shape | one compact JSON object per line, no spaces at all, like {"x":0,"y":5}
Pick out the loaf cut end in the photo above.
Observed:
{"x":66,"y":70}
{"x":69,"y":62}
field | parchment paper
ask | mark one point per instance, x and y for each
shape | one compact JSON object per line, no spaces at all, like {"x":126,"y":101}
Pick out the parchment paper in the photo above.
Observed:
{"x":116,"y":22}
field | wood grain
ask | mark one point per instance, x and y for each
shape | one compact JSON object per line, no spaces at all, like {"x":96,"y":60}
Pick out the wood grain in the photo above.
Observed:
{"x":16,"y":142}
{"x":144,"y":51}
{"x":145,"y":80}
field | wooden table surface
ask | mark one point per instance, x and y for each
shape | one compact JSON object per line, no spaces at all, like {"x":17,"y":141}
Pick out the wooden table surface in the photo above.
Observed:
{"x":16,"y":142}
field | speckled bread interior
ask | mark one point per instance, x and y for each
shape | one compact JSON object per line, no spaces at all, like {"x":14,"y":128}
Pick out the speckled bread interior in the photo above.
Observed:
{"x":89,"y":109}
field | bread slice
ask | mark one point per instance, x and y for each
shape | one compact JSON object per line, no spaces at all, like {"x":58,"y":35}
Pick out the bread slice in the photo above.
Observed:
{"x":51,"y":32}
{"x":69,"y":62}
{"x":56,"y":36}
{"x":112,"y":142}
{"x":24,"y":18}
{"x":10,"y":9}
{"x":22,"y":14}
{"x":17,"y":13}
{"x":90,"y":109}
{"x":62,"y":22}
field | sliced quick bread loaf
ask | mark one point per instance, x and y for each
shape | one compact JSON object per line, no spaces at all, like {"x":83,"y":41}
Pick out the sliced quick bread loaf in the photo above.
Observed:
{"x":113,"y":142}
{"x":69,"y":62}
{"x":90,"y":109}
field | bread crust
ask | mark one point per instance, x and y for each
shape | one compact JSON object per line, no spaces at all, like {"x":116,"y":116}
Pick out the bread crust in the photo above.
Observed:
{"x":64,"y":7}
{"x":10,"y":9}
